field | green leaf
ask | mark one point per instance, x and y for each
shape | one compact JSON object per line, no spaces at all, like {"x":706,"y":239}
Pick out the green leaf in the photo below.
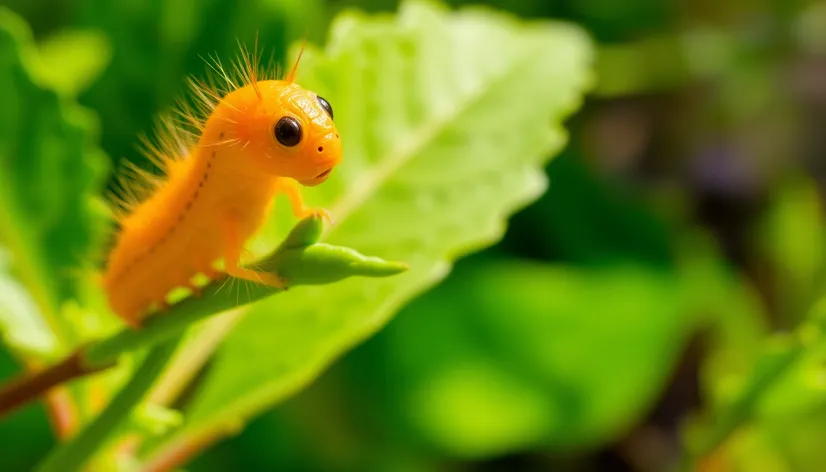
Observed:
{"x":733,"y":313}
{"x":73,"y":59}
{"x":446,"y":120}
{"x":750,"y":377}
{"x":773,"y":419}
{"x":790,"y":239}
{"x":22,"y":326}
{"x":521,"y":354}
{"x":300,"y":259}
{"x":154,"y":420}
{"x":49,"y":168}
{"x":606,"y":225}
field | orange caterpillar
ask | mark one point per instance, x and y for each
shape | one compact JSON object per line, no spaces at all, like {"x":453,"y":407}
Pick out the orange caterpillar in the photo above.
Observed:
{"x":258,"y":138}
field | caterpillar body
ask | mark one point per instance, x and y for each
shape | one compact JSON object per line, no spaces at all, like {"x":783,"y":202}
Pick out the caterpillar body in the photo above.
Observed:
{"x":251,"y":140}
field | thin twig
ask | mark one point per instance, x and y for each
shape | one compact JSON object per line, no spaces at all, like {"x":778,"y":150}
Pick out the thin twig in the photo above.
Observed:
{"x":180,"y":452}
{"x":75,"y":453}
{"x":33,"y":386}
{"x":299,"y":258}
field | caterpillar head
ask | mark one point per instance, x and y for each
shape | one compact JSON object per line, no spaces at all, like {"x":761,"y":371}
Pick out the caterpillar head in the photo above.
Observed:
{"x":289,"y":131}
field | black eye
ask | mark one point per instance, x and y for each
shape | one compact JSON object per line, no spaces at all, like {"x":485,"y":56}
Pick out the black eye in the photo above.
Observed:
{"x":326,"y":106}
{"x":288,"y":131}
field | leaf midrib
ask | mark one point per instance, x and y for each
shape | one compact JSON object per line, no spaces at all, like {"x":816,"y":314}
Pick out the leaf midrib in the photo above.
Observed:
{"x":365,"y":187}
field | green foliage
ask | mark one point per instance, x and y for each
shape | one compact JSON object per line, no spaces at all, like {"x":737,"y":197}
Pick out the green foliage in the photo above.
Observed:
{"x":72,"y":60}
{"x":300,"y":259}
{"x":23,"y":327}
{"x":523,"y":353}
{"x":51,"y":171}
{"x":27,"y":433}
{"x":791,"y":238}
{"x":607,"y":225}
{"x":764,"y":389}
{"x":419,"y":100}
{"x":687,"y":205}
{"x":157,"y":43}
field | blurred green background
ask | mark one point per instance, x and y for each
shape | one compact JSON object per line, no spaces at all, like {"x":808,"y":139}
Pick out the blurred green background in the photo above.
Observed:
{"x":683,"y":222}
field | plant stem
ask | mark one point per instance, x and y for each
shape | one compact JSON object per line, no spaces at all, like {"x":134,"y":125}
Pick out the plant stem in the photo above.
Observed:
{"x":104,"y":354}
{"x":782,"y":354}
{"x":74,"y":454}
{"x":300,"y":259}
{"x":23,"y":390}
{"x":62,"y":412}
{"x":770,"y":367}
{"x":181,"y":451}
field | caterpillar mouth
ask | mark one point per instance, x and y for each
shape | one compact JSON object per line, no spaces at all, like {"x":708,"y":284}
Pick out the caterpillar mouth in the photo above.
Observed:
{"x":317,"y":179}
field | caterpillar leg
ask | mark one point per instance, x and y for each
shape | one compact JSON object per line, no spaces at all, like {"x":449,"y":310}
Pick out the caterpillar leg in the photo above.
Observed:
{"x":234,"y":246}
{"x":132,"y":316}
{"x":133,"y":320}
{"x":290,"y":188}
{"x":130,"y":309}
{"x":194,"y":288}
{"x":212,"y":273}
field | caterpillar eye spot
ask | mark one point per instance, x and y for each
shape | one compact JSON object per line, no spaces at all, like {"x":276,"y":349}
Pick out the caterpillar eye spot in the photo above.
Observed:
{"x":325,"y":105}
{"x":288,"y":131}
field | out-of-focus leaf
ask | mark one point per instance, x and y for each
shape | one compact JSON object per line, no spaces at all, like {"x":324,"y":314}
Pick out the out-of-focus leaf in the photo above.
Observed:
{"x":651,"y":64}
{"x":21,"y":325}
{"x":153,"y":420}
{"x":800,"y":392}
{"x":26,"y":433}
{"x":421,"y":378}
{"x":810,"y":30}
{"x":734,"y":318}
{"x":781,"y":428}
{"x":606,"y":226}
{"x":791,"y":239}
{"x":795,"y":227}
{"x":72,"y":60}
{"x":510,"y":355}
{"x":787,"y":428}
{"x":609,"y":21}
{"x":49,"y":169}
{"x":446,"y":120}
{"x":633,"y":68}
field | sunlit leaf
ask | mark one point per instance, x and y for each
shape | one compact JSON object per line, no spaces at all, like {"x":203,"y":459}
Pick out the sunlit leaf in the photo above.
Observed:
{"x":791,"y":240}
{"x":22,"y":326}
{"x":72,"y":60}
{"x":447,"y":120}
{"x":49,"y":170}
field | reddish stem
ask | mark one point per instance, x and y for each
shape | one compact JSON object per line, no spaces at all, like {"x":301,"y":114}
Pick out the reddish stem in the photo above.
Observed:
{"x":180,"y":452}
{"x":30,"y":387}
{"x":62,"y":412}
